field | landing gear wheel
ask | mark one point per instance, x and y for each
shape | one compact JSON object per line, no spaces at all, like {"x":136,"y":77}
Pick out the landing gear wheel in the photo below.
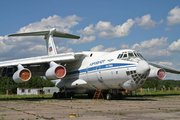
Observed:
{"x":119,"y":96}
{"x":54,"y":95}
{"x":90,"y":95}
{"x":109,"y":96}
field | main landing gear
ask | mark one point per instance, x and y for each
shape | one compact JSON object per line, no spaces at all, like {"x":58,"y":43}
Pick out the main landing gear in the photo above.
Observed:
{"x":114,"y":95}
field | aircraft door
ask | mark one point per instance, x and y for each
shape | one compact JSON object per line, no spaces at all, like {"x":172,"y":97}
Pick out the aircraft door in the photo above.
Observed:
{"x":99,"y":75}
{"x":91,"y":76}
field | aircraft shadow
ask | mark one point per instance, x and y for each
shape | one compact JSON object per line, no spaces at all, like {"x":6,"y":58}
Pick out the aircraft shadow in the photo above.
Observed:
{"x":129,"y":98}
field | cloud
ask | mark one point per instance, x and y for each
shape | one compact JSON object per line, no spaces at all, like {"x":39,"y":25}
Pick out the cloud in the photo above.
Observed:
{"x":64,"y":49}
{"x":97,"y":48}
{"x":100,"y":48}
{"x":160,"y":22}
{"x":107,"y":31}
{"x":153,"y":49}
{"x":21,"y":47}
{"x":85,"y":39}
{"x":89,"y":30}
{"x":146,"y":22}
{"x":55,"y":21}
{"x":166,"y":63}
{"x":124,"y":46}
{"x":175,"y":46}
{"x":167,"y":29}
{"x":173,"y":17}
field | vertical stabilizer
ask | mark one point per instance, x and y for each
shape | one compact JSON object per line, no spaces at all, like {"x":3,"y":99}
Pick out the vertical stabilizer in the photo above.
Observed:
{"x":50,"y":46}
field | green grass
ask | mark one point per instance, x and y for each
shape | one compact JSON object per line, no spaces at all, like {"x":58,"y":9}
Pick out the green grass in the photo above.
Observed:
{"x":120,"y":113}
{"x":11,"y":97}
{"x":158,"y":93}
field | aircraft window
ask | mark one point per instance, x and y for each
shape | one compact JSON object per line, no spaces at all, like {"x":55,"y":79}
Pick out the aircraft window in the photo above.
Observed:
{"x":140,"y":55}
{"x":125,"y":55}
{"x":135,"y":54}
{"x":131,"y":54}
{"x":127,"y":72}
{"x":120,"y":56}
{"x":91,"y":55}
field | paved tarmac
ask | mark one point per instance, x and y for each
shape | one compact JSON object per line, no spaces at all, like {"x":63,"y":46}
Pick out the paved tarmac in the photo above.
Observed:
{"x":131,"y":108}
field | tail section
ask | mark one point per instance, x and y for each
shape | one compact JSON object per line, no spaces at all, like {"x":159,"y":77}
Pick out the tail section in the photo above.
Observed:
{"x":50,"y":46}
{"x":48,"y":36}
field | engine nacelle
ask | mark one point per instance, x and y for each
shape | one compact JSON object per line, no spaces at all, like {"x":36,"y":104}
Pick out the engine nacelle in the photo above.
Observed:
{"x":156,"y":73}
{"x":55,"y":71}
{"x":22,"y":74}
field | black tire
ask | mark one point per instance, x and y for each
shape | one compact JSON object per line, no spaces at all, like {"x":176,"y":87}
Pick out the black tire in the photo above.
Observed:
{"x":70,"y":94}
{"x":58,"y":95}
{"x":90,"y":95}
{"x":119,"y":96}
{"x":54,"y":95}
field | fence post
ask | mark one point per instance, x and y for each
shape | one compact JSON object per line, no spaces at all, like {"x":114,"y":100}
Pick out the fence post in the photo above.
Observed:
{"x":169,"y":88}
{"x":155,"y":89}
{"x":162,"y":89}
{"x":148,"y":89}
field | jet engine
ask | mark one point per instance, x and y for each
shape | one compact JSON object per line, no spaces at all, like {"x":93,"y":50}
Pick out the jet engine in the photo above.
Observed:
{"x":156,"y":73}
{"x":22,"y":74}
{"x":55,"y":71}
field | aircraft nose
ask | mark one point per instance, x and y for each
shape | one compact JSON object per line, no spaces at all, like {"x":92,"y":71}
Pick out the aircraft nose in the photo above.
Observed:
{"x":142,"y":67}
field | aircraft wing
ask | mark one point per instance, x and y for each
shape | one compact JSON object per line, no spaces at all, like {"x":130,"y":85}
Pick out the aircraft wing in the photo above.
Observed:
{"x":167,"y":69}
{"x":38,"y":64}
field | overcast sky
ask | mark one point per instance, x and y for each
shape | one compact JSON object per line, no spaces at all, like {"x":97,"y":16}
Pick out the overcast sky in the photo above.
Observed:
{"x":151,"y":27}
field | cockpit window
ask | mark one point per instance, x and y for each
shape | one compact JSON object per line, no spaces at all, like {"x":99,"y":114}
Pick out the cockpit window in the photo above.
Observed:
{"x":120,"y":56}
{"x":135,"y":54}
{"x":140,"y":55}
{"x":125,"y":55}
{"x":130,"y":54}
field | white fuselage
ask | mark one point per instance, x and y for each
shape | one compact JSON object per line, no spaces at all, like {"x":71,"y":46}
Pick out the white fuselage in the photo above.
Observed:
{"x":101,"y":70}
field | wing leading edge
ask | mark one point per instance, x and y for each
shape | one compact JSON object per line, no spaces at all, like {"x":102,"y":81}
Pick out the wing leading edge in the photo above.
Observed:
{"x":167,"y":69}
{"x":63,"y":58}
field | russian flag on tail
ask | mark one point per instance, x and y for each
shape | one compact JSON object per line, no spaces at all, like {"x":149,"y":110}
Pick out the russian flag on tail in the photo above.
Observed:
{"x":50,"y":49}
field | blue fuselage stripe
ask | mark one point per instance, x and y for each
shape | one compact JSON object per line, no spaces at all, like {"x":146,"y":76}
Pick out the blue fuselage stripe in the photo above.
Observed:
{"x":105,"y":67}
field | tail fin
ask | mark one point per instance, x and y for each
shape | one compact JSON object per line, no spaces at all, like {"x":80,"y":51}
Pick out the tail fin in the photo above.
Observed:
{"x":48,"y":36}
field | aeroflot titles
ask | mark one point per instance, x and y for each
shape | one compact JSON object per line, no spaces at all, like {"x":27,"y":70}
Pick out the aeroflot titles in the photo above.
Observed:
{"x":97,"y":62}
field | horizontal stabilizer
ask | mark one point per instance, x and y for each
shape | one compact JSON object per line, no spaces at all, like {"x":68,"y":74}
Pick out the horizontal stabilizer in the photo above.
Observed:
{"x":46,"y":33}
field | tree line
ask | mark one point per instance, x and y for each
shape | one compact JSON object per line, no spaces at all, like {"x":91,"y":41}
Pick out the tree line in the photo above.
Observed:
{"x":7,"y":83}
{"x":161,"y":84}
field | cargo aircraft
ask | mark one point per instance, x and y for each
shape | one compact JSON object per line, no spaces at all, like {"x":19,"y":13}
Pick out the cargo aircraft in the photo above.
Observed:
{"x":86,"y":71}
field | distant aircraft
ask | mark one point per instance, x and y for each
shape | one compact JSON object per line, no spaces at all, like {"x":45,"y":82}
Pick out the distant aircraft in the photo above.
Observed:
{"x":86,"y":71}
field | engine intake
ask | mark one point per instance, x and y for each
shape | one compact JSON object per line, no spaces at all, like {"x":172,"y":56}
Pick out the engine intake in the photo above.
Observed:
{"x":22,"y":74}
{"x":55,"y":71}
{"x":156,"y":74}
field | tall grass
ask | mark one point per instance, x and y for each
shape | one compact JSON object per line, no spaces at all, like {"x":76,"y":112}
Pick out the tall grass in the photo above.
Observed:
{"x":165,"y":92}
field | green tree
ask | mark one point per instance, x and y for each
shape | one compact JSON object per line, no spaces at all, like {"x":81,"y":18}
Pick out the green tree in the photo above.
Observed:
{"x":7,"y":83}
{"x":151,"y":84}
